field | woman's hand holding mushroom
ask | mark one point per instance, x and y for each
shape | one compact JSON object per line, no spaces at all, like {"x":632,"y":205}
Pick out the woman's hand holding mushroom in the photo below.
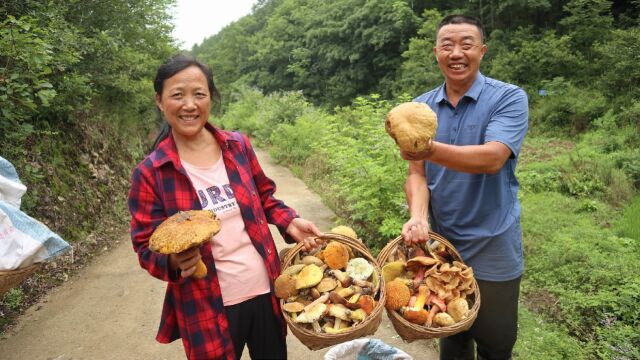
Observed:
{"x":306,"y":232}
{"x":185,"y":261}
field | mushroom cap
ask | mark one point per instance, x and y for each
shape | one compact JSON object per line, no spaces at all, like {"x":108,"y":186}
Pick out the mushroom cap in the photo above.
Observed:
{"x":293,"y":269}
{"x":345,"y":230}
{"x":339,"y":311}
{"x":392,"y":270}
{"x":443,"y":319}
{"x":336,"y":255}
{"x":416,"y":316}
{"x":412,"y":125}
{"x":184,"y":230}
{"x":367,"y":303}
{"x":458,"y":308}
{"x":311,"y":315}
{"x":285,"y":286}
{"x":419,"y":261}
{"x":398,"y":295}
{"x":327,"y":284}
{"x":293,"y":307}
{"x":359,"y":268}
{"x":308,"y":277}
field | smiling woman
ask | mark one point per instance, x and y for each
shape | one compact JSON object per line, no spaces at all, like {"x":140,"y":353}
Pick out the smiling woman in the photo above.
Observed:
{"x":185,"y":102}
{"x":232,"y":306}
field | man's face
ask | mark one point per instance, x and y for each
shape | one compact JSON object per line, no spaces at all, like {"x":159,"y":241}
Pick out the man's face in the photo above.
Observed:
{"x":459,"y":50}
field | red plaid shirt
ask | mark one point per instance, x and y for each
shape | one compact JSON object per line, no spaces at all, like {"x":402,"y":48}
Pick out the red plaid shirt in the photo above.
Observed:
{"x":193,"y":309}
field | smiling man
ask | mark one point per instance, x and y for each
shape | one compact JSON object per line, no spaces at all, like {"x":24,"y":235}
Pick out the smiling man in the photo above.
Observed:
{"x":464,"y":186}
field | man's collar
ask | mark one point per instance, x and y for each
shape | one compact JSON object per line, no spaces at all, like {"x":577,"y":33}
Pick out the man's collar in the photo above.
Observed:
{"x":473,"y":92}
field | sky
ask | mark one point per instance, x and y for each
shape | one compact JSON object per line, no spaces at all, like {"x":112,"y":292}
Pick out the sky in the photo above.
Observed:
{"x":196,"y":20}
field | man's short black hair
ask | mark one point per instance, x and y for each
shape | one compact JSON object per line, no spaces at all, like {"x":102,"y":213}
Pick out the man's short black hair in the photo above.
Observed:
{"x":462,"y":19}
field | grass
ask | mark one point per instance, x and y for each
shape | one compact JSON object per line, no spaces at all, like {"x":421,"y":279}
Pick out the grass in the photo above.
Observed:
{"x":629,"y":224}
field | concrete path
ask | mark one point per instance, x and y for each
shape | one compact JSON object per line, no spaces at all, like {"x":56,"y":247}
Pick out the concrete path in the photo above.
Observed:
{"x":112,"y":309}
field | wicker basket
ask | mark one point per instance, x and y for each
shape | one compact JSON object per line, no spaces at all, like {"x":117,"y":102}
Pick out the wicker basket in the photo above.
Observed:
{"x":12,"y":278}
{"x":409,"y":331}
{"x":316,"y":341}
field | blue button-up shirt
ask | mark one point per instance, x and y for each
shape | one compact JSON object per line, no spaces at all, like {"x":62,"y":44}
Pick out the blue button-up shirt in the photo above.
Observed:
{"x":480,"y":213}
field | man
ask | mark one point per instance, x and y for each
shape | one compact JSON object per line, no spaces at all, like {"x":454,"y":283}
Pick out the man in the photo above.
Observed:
{"x":465,"y":184}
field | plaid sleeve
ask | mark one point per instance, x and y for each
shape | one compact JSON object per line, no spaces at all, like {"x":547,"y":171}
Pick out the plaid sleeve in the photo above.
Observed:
{"x":277,"y":212}
{"x":147,"y":213}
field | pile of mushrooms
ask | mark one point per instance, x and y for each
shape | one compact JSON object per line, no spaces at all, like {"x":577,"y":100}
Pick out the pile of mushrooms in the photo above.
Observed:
{"x":330,"y":290}
{"x":427,"y":286}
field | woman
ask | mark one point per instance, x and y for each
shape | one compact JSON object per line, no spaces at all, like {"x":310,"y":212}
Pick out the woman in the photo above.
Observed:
{"x":197,"y":166}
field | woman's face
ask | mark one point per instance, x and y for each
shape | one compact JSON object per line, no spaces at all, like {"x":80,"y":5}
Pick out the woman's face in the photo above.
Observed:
{"x":185,"y":101}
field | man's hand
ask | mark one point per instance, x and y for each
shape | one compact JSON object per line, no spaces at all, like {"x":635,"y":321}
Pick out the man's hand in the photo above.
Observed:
{"x":416,"y":230}
{"x":305,"y":231}
{"x":420,"y":155}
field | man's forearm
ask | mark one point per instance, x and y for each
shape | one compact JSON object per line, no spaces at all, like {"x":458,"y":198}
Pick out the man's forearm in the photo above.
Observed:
{"x":416,"y":190}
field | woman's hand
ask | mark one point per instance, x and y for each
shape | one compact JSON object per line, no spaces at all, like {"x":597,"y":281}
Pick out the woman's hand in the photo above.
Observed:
{"x":305,"y":231}
{"x":185,"y":261}
{"x":415,"y":230}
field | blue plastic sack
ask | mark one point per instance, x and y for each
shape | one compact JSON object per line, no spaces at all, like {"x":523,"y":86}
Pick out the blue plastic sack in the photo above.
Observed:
{"x":23,"y":239}
{"x":366,"y":349}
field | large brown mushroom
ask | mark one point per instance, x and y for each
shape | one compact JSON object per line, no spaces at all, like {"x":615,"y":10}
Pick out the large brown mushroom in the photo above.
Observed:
{"x":285,"y":286}
{"x":412,"y":125}
{"x":184,"y":230}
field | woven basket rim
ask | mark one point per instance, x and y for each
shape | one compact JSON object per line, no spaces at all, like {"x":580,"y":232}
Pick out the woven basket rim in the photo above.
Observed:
{"x":316,"y":341}
{"x":409,"y":331}
{"x":12,"y":278}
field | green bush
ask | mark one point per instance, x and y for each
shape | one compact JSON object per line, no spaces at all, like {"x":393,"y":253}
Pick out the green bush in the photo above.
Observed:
{"x":566,"y":107}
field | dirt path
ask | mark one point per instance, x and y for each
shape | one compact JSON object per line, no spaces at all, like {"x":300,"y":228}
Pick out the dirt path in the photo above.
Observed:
{"x":112,"y":310}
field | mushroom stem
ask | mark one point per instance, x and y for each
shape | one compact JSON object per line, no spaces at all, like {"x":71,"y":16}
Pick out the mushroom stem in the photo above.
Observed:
{"x":434,"y":310}
{"x":316,"y":326}
{"x":337,"y":324}
{"x":321,"y":300}
{"x":419,"y":277}
{"x":363,"y":283}
{"x":344,"y":279}
{"x":201,"y":270}
{"x":437,"y":301}
{"x":423,"y":293}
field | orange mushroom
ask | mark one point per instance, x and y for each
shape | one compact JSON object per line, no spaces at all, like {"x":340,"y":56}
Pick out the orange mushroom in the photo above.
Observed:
{"x":398,"y":295}
{"x":336,"y":255}
{"x":417,"y":314}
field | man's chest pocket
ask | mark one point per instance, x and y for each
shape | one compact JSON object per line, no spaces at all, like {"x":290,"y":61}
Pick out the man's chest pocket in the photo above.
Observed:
{"x":470,"y":134}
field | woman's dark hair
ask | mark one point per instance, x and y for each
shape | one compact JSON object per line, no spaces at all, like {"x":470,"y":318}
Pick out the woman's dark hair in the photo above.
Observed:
{"x":462,"y":19}
{"x":174,"y":65}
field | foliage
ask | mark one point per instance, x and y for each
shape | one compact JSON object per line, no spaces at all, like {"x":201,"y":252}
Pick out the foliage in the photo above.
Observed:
{"x":617,"y":66}
{"x":76,"y":104}
{"x":567,"y":107}
{"x":628,"y":225}
{"x":419,"y":70}
{"x":530,"y":60}
{"x":586,"y":269}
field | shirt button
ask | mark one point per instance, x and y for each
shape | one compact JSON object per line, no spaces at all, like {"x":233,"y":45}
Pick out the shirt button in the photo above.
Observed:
{"x":269,"y":251}
{"x":253,"y":193}
{"x":261,"y":222}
